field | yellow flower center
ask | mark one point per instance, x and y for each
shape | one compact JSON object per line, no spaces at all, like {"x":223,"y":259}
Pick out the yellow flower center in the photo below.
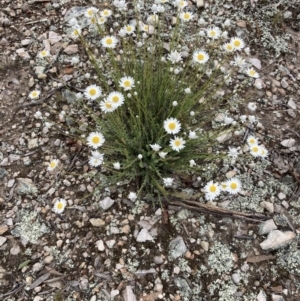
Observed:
{"x":76,"y":32}
{"x":44,"y":53}
{"x":200,"y":57}
{"x":90,"y":12}
{"x":96,"y":140}
{"x":109,"y":41}
{"x":252,"y":72}
{"x":255,"y":149}
{"x":108,"y":105}
{"x":52,"y":164}
{"x":229,"y":47}
{"x":93,"y":20}
{"x":212,"y":33}
{"x":237,"y":43}
{"x":93,"y":92}
{"x":233,"y":186}
{"x":251,"y":141}
{"x":127,"y":83}
{"x":186,"y":16}
{"x":60,"y":206}
{"x":105,"y":13}
{"x":34,"y":94}
{"x":172,"y":125}
{"x":115,"y":98}
{"x":146,"y":27}
{"x":177,"y":143}
{"x":128,"y":28}
{"x":212,"y":188}
{"x":181,"y":3}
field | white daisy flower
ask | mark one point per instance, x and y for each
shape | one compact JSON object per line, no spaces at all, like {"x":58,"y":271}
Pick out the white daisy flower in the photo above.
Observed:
{"x":174,"y":57}
{"x":101,"y":20}
{"x":76,"y":32}
{"x":192,"y":163}
{"x":239,"y":62}
{"x":252,"y":106}
{"x":200,"y":56}
{"x":90,"y":12}
{"x":97,"y":155}
{"x":59,"y":206}
{"x":234,"y":186}
{"x":153,"y":19}
{"x":233,"y":152}
{"x":213,"y":32}
{"x":172,"y":125}
{"x":186,"y":16}
{"x":227,"y":23}
{"x":263,"y":152}
{"x":92,"y":92}
{"x":181,"y":4}
{"x":107,"y":106}
{"x":95,"y":162}
{"x":34,"y":94}
{"x":129,"y":29}
{"x":162,"y":154}
{"x":228,"y":47}
{"x":160,"y":9}
{"x":132,"y":196}
{"x":115,"y":98}
{"x":187,"y":91}
{"x":177,"y":143}
{"x":127,"y":83}
{"x":237,"y":43}
{"x":117,"y":165}
{"x":212,"y":190}
{"x":251,"y":140}
{"x":168,"y":182}
{"x":106,"y":13}
{"x":255,"y":150}
{"x":109,"y":42}
{"x":252,"y":73}
{"x":43,"y":53}
{"x":161,"y":1}
{"x":174,"y":103}
{"x":193,"y":135}
{"x":243,"y":118}
{"x":156,"y":147}
{"x":53,"y":164}
{"x":95,"y":139}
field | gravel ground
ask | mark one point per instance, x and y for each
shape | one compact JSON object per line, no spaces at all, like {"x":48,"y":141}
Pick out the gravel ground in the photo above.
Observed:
{"x":107,"y":247}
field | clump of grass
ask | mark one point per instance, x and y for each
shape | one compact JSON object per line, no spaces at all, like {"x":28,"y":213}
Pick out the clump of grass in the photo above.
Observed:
{"x":155,"y":93}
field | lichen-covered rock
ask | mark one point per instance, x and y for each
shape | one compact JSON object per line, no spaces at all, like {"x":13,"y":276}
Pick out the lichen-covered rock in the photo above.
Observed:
{"x":277,"y":239}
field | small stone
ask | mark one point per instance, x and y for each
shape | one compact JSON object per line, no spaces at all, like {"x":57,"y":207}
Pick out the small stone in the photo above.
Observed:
{"x":288,"y":142}
{"x":224,"y":137}
{"x":230,"y":174}
{"x":110,"y":243}
{"x":23,"y":54}
{"x":236,"y":278}
{"x":268,"y":206}
{"x":158,"y":260}
{"x":287,"y":14}
{"x":200,"y":3}
{"x":54,"y":37}
{"x":48,"y":259}
{"x":100,"y":245}
{"x":106,"y":203}
{"x":2,"y":240}
{"x":128,"y":294}
{"x":97,"y":222}
{"x":277,"y":239}
{"x":266,"y":227}
{"x":281,"y":196}
{"x":71,"y":49}
{"x":245,"y":267}
{"x":261,"y":296}
{"x":205,"y":245}
{"x":126,"y":229}
{"x":15,"y":250}
{"x":255,"y":62}
{"x":277,"y":298}
{"x":33,"y":143}
{"x":284,"y":83}
{"x":26,"y":42}
{"x":177,"y":247}
{"x":114,"y":293}
{"x":42,"y":76}
{"x":176,"y":270}
{"x":10,"y":183}
{"x":292,"y":104}
{"x":143,"y":236}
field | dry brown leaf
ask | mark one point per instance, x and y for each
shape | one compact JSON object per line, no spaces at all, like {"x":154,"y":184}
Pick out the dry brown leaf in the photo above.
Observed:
{"x":259,"y":258}
{"x":3,"y":229}
{"x":241,"y":23}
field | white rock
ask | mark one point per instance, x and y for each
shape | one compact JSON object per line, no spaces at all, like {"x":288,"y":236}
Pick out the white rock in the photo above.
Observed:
{"x":128,"y":294}
{"x":100,"y":245}
{"x":33,"y":143}
{"x":26,"y":42}
{"x":97,"y":222}
{"x":266,"y":227}
{"x":15,"y":250}
{"x":224,"y":137}
{"x":261,"y":296}
{"x":48,"y":259}
{"x":200,"y":3}
{"x":176,"y":270}
{"x":2,"y":240}
{"x":158,"y":259}
{"x":258,"y":84}
{"x":54,"y":37}
{"x":204,"y":245}
{"x":277,"y":298}
{"x":114,"y":293}
{"x":277,"y":239}
{"x":143,"y":236}
{"x":255,"y":62}
{"x":177,"y":247}
{"x":110,"y":243}
{"x":281,"y":196}
{"x":236,"y":278}
{"x":288,"y":142}
{"x":292,"y":104}
{"x":106,"y":203}
{"x":71,"y":49}
{"x":268,"y":206}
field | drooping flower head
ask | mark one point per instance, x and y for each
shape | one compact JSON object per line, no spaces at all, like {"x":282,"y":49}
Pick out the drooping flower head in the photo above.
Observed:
{"x":168,"y":182}
{"x":96,"y":159}
{"x":174,"y":57}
